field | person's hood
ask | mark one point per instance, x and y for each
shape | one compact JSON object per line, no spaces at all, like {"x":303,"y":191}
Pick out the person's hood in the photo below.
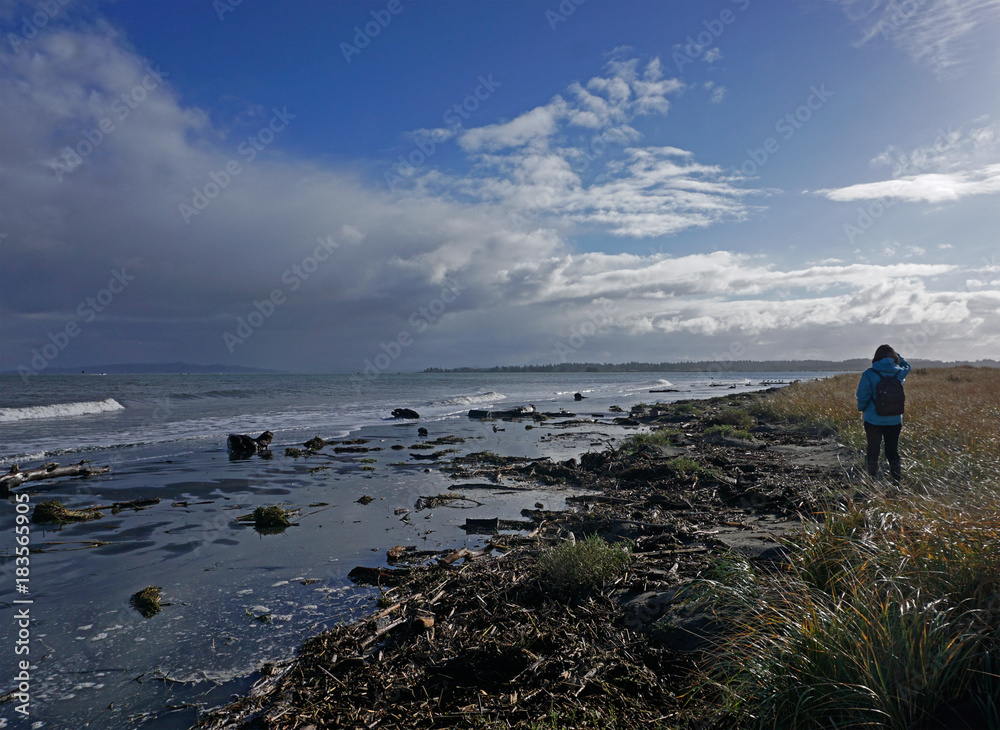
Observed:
{"x":886,"y":366}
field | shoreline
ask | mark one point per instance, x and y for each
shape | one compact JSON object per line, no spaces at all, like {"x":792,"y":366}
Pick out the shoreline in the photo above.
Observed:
{"x":471,"y":636}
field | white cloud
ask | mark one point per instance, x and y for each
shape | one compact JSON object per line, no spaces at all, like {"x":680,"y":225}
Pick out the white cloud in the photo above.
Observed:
{"x":958,"y":164}
{"x":928,"y":188}
{"x":718,"y":93}
{"x":395,"y":253}
{"x":937,"y":33}
{"x":577,"y":161}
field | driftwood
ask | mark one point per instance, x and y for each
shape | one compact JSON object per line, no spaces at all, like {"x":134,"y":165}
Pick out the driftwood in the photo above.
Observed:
{"x":15,"y":477}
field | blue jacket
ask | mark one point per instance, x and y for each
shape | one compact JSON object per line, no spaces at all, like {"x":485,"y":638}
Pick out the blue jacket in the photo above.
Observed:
{"x":866,"y":389}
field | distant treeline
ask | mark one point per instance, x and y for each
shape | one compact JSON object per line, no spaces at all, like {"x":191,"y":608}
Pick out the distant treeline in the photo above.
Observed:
{"x":735,"y":366}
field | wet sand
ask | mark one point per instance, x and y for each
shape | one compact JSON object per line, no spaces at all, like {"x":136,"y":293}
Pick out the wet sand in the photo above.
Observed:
{"x":472,"y":637}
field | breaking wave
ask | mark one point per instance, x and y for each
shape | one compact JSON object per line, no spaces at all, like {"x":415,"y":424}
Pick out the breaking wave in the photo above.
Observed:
{"x":60,"y":410}
{"x":466,"y":400}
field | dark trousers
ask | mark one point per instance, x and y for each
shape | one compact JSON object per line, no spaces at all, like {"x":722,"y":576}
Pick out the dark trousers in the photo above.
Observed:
{"x":875,"y":435}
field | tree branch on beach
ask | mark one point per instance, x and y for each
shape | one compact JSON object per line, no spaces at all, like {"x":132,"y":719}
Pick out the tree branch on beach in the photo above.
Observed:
{"x":15,"y":477}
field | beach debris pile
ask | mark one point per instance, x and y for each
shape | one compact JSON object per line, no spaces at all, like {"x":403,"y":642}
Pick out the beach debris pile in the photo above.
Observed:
{"x":55,"y":511}
{"x":147,"y":601}
{"x":271,"y":519}
{"x":480,"y":638}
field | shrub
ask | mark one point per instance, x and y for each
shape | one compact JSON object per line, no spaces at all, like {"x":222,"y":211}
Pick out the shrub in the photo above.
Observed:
{"x":737,"y":417}
{"x":573,"y":569}
{"x":728,"y":431}
{"x":639,"y":441}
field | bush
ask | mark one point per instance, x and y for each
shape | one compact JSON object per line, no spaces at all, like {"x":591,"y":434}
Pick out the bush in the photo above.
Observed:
{"x":737,"y":417}
{"x":572,"y":569}
{"x":728,"y":431}
{"x":639,"y":441}
{"x":891,"y":610}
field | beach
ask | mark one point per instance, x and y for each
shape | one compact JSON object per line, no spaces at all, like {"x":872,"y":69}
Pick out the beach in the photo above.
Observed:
{"x":234,"y":598}
{"x":732,"y":567}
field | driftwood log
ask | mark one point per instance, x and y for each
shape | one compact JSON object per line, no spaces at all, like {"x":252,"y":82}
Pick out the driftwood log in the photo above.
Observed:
{"x":15,"y":477}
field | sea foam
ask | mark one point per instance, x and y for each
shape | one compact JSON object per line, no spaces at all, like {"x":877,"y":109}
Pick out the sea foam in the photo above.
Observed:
{"x":466,"y":400}
{"x":60,"y":410}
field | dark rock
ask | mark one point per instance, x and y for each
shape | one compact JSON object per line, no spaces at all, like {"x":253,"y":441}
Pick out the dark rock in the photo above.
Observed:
{"x":578,"y":396}
{"x":405,"y":413}
{"x":240,"y":444}
{"x":315,"y":443}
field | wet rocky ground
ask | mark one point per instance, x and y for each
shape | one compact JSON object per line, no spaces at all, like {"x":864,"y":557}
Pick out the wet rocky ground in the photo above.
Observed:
{"x":476,"y":638}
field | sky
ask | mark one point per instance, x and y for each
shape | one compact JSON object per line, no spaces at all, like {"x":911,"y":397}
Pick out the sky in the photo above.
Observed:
{"x":386,"y":186}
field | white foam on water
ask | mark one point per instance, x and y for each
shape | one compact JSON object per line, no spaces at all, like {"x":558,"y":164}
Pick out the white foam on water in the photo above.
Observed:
{"x":60,"y":410}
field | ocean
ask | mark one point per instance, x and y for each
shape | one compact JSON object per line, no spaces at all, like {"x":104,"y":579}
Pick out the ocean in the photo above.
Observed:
{"x":234,"y":598}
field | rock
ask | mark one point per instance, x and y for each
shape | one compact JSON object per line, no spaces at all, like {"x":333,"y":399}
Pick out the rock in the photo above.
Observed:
{"x":422,"y":432}
{"x":241,"y":444}
{"x":315,"y":443}
{"x":647,"y":608}
{"x":405,"y":413}
{"x":423,"y":623}
{"x":578,"y":396}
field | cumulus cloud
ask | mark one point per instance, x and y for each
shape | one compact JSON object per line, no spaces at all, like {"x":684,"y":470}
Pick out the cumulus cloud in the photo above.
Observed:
{"x":325,"y":270}
{"x":578,"y":160}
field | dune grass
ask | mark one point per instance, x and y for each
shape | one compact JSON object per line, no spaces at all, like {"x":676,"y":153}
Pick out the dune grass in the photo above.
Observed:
{"x":889,"y":614}
{"x":951,"y":428}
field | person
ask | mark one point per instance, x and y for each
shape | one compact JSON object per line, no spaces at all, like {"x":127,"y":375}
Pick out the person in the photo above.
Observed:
{"x":886,"y":363}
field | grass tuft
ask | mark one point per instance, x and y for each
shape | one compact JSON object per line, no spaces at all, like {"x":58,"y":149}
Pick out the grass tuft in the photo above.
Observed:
{"x":889,"y":614}
{"x":573,"y":569}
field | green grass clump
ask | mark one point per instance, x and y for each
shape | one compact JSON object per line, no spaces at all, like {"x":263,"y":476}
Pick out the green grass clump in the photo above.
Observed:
{"x":573,"y":569}
{"x":686,"y":409}
{"x":683,"y":465}
{"x":727,"y":431}
{"x":737,"y":417}
{"x":640,"y":441}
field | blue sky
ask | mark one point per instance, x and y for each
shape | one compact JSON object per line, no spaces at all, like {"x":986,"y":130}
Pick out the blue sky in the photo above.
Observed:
{"x":391,"y":185}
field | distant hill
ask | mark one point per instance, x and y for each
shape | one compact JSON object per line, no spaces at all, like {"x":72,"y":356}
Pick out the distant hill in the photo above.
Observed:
{"x":147,"y":368}
{"x":737,"y":366}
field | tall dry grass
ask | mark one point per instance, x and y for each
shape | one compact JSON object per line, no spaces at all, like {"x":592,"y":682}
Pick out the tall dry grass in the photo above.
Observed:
{"x":951,"y":428}
{"x":889,"y":613}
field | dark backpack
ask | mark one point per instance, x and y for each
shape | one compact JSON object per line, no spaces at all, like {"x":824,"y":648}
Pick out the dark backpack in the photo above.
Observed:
{"x":889,"y":396}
